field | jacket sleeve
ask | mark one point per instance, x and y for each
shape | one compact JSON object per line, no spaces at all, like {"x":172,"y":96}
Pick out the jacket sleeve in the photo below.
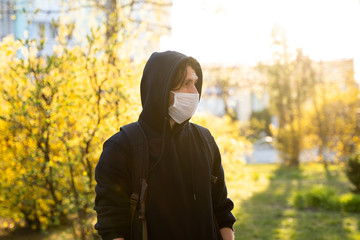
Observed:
{"x":112,"y":202}
{"x":222,"y":205}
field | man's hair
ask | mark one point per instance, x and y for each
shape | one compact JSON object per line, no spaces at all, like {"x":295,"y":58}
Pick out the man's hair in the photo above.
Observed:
{"x":181,"y":72}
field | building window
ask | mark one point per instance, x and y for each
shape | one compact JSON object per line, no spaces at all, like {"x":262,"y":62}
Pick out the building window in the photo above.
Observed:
{"x":7,"y":17}
{"x":36,"y":28}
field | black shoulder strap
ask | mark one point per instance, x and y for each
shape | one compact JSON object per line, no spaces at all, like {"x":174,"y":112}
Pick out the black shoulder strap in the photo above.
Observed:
{"x":139,"y":171}
{"x":206,"y":140}
{"x":139,"y":153}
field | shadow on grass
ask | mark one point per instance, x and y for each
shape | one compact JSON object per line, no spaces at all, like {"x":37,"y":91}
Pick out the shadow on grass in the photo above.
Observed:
{"x":269,"y":215}
{"x":261,"y":216}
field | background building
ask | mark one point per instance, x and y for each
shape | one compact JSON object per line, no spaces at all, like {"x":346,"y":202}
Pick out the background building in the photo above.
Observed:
{"x":234,"y":90}
{"x":241,"y":90}
{"x":29,"y":19}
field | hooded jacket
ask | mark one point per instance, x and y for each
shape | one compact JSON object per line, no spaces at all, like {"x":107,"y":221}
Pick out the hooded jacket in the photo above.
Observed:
{"x":181,"y":200}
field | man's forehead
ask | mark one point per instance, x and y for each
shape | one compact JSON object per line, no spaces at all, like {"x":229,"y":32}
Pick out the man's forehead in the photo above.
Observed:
{"x":191,"y":74}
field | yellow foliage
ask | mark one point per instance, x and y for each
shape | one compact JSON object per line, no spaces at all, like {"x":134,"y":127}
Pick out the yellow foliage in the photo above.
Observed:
{"x":56,"y":112}
{"x":332,"y":120}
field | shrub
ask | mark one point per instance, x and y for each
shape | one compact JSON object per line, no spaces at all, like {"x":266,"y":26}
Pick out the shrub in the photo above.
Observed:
{"x":350,"y":202}
{"x":353,"y":171}
{"x":317,"y":197}
{"x":299,"y":200}
{"x":322,"y":197}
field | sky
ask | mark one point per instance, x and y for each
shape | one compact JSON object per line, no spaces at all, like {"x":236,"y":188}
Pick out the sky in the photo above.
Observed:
{"x":239,"y":31}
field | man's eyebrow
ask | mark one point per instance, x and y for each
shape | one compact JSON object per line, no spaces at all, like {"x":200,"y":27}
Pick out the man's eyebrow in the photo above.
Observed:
{"x":191,"y":79}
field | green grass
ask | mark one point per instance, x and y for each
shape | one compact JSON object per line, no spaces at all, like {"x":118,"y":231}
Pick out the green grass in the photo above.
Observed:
{"x":262,"y":195}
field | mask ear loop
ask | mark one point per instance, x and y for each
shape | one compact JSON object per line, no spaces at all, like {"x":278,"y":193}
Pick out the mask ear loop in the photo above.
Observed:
{"x":174,"y":98}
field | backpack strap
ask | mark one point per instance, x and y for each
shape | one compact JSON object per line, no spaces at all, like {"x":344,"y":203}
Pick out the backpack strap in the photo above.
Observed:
{"x":206,"y":140}
{"x":139,"y":172}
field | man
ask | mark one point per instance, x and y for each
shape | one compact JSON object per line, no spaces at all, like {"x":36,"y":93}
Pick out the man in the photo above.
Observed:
{"x":182,"y":201}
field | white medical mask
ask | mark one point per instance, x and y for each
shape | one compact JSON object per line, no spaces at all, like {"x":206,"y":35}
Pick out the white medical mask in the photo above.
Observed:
{"x":184,"y":106}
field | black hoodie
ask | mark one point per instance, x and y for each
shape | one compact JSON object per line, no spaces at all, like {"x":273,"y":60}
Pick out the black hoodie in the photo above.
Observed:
{"x":181,"y":199}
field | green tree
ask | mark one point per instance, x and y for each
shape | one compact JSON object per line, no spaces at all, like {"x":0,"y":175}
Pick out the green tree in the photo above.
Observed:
{"x":291,"y":83}
{"x":259,"y":123}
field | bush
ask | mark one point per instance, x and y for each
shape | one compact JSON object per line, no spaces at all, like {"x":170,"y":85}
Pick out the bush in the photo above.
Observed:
{"x":299,"y":201}
{"x":317,"y":197}
{"x":350,"y":202}
{"x":322,"y":197}
{"x":353,"y":171}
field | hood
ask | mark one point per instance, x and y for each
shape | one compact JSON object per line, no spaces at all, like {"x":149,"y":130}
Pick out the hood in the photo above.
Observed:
{"x":155,"y":85}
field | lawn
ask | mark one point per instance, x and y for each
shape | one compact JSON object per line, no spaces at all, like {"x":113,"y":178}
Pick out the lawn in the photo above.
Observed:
{"x":263,"y":207}
{"x":262,"y":195}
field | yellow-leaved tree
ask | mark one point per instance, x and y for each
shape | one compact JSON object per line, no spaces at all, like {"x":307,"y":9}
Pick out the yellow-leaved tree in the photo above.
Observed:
{"x":332,"y":120}
{"x":56,"y":111}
